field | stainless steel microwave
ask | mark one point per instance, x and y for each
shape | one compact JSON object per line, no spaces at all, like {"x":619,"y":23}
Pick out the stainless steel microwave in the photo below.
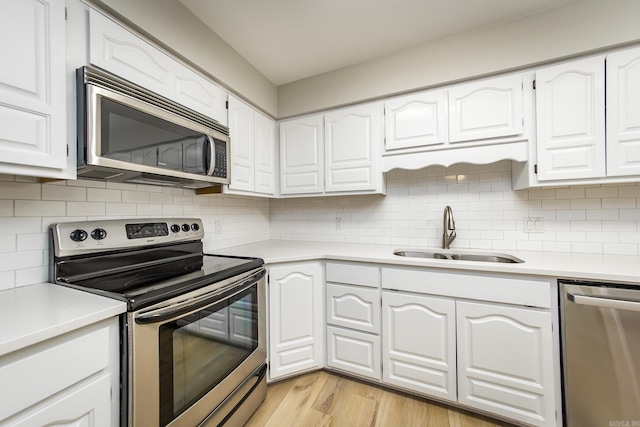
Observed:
{"x":129,"y":134}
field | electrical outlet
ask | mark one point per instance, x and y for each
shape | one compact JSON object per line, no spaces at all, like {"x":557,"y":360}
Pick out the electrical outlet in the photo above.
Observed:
{"x":534,"y":225}
{"x":218,"y":226}
{"x":339,"y":224}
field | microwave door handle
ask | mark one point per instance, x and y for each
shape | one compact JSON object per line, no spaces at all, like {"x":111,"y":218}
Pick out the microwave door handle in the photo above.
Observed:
{"x":604,"y":302}
{"x":210,"y":164}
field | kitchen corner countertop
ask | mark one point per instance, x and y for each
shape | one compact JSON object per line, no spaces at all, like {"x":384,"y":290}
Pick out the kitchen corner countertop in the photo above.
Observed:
{"x":34,"y":313}
{"x":596,"y":267}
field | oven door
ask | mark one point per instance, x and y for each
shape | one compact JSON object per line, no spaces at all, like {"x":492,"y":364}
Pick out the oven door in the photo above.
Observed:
{"x":190,"y":354}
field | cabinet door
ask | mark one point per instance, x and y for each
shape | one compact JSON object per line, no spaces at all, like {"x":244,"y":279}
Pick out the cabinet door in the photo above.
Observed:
{"x":353,"y":307}
{"x":353,"y":138}
{"x":623,"y":113}
{"x":32,"y":84}
{"x":241,"y":130}
{"x":301,"y":155}
{"x":416,"y":120}
{"x":194,"y":91}
{"x":505,"y":362}
{"x":570,"y":120}
{"x":296,"y":320}
{"x":489,"y":108}
{"x":418,"y":346}
{"x":354,"y":352}
{"x":265,"y":154}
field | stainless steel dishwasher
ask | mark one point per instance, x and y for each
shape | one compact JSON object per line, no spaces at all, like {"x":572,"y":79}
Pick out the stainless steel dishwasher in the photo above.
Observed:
{"x":600,"y":353}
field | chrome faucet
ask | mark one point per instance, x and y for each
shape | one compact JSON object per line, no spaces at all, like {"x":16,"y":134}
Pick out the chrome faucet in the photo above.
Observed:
{"x":449,"y":226}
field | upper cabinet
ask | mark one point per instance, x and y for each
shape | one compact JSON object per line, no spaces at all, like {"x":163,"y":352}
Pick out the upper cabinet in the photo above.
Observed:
{"x":252,"y":150}
{"x":588,"y":123}
{"x":334,"y":153}
{"x":120,"y":51}
{"x":32,"y":88}
{"x":478,"y":122}
{"x":570,"y":125}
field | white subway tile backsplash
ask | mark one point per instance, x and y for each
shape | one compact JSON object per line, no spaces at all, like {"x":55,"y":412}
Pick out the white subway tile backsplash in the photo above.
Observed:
{"x":7,"y":278}
{"x":86,"y":209}
{"x":39,"y":208}
{"x":64,"y":193}
{"x":103,"y":195}
{"x":6,"y":208}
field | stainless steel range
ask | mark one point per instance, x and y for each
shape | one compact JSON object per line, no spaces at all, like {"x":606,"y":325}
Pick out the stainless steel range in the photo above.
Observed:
{"x":193,"y":339}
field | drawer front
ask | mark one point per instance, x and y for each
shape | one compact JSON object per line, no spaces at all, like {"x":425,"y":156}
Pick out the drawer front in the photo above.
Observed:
{"x":34,"y":374}
{"x":505,"y":288}
{"x":353,"y":307}
{"x":354,"y":352}
{"x":353,"y":274}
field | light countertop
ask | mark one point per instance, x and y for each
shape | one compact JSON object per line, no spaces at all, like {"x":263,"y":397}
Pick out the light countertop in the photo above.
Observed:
{"x":597,"y":267}
{"x":34,"y":313}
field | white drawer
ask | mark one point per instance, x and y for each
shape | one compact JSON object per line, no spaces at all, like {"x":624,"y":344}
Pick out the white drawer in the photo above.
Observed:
{"x":353,"y":307}
{"x":505,"y":288}
{"x":354,"y":352}
{"x":353,"y":274}
{"x":35,"y":373}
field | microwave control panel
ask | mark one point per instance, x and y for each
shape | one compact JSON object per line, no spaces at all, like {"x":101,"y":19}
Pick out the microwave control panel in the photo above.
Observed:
{"x":220,"y":168}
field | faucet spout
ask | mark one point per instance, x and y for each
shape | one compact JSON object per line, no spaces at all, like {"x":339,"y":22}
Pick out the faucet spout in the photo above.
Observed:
{"x":449,"y":226}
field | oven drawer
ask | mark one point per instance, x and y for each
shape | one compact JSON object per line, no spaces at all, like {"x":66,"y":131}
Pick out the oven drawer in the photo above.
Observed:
{"x":33,"y":374}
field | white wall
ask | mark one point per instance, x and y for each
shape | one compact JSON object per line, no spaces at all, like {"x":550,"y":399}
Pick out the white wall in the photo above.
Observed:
{"x":175,"y":27}
{"x":578,"y":27}
{"x":488,"y":214}
{"x":27,"y":208}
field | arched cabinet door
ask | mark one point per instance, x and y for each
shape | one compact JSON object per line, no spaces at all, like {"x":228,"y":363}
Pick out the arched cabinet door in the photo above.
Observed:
{"x":505,"y":361}
{"x":296,"y":319}
{"x":570,"y":120}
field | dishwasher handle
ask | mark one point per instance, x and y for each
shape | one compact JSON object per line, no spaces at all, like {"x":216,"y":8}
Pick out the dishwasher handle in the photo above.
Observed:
{"x":604,"y":302}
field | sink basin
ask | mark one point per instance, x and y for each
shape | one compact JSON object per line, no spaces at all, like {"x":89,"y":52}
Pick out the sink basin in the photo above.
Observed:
{"x":460,"y":256}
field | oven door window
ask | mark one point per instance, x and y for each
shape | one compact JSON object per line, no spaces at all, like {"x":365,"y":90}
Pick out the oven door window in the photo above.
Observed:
{"x":198,"y":351}
{"x":133,"y":136}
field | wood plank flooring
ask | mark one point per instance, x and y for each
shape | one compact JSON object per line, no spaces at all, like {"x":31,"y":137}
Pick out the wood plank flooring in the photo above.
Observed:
{"x":326,"y":399}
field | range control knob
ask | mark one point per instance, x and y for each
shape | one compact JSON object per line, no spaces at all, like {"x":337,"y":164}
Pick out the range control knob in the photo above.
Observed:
{"x":175,"y":228}
{"x":195,"y":227}
{"x":99,"y":233}
{"x":78,"y":235}
{"x":185,"y":227}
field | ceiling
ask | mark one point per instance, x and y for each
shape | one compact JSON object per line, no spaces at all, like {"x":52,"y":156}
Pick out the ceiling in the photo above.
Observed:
{"x":288,"y":40}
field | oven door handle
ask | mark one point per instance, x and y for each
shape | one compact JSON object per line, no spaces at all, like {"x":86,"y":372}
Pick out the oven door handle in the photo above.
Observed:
{"x":193,"y":304}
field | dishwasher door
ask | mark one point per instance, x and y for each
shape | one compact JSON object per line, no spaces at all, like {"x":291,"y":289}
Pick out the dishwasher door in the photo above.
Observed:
{"x":601,"y":354}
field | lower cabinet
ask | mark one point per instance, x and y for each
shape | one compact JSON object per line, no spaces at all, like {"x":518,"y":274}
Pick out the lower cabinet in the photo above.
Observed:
{"x":419,"y":343}
{"x":296,"y":319}
{"x":72,"y":380}
{"x":354,"y":351}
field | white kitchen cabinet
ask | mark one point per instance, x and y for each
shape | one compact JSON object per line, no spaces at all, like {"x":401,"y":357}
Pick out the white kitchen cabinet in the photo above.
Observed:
{"x":126,"y":54}
{"x":253,"y":150}
{"x":296,"y":319}
{"x":334,"y":153}
{"x":302,"y":155}
{"x":353,"y":307}
{"x":353,"y":141}
{"x":417,"y":120}
{"x":570,"y":120}
{"x":488,"y":108}
{"x":33,"y":88}
{"x":505,"y":363}
{"x":419,"y":344}
{"x":623,"y":113}
{"x":72,"y":379}
{"x":354,"y":352}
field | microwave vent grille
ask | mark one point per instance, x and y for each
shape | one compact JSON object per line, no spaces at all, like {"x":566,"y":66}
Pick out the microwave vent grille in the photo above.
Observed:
{"x":101,"y":78}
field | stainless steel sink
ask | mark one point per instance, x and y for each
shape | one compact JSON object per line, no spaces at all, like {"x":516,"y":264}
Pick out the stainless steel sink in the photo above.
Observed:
{"x":460,"y":256}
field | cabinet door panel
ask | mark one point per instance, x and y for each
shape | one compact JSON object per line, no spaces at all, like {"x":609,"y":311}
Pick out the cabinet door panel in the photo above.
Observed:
{"x":195,"y":92}
{"x":505,"y":361}
{"x":241,"y":129}
{"x":352,"y":140}
{"x":265,"y":152}
{"x":416,"y":120}
{"x":32,"y":89}
{"x":419,"y":344}
{"x":295,"y":319}
{"x":490,"y":108}
{"x":301,"y":156}
{"x":354,"y":352}
{"x":623,"y":113}
{"x":570,"y":120}
{"x":353,"y":307}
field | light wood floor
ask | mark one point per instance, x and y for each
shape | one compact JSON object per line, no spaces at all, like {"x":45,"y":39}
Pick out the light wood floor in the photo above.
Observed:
{"x":326,"y":399}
